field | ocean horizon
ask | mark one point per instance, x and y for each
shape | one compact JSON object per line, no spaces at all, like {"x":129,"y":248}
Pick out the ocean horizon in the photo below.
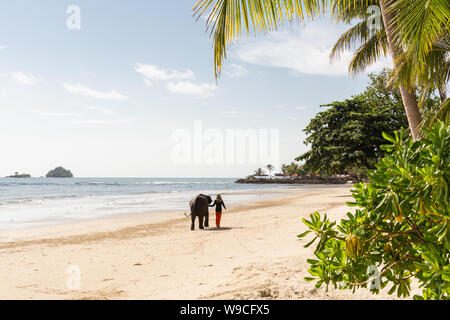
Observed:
{"x":26,"y":202}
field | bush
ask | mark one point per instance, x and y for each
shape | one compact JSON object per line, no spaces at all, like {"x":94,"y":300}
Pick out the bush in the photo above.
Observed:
{"x":400,"y":225}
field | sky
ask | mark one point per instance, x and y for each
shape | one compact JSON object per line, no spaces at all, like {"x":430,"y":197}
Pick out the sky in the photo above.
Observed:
{"x":130,"y":90}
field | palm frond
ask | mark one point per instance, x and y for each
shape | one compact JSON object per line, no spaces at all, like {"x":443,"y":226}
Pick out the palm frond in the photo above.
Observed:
{"x":432,"y":78}
{"x":443,"y":114}
{"x":369,"y":52}
{"x":227,"y":18}
{"x":346,"y":11}
{"x":419,"y":25}
{"x":355,"y":35}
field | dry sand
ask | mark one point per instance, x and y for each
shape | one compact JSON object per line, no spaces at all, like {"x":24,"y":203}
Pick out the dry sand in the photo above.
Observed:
{"x":256,"y":255}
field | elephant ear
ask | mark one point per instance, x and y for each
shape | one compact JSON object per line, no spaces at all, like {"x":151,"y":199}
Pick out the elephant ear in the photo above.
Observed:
{"x":209,"y":199}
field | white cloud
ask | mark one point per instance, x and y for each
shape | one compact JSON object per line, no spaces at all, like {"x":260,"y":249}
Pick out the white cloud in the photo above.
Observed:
{"x":100,"y":121}
{"x":154,"y":73}
{"x":23,"y":78}
{"x":175,"y":81}
{"x":2,"y":48}
{"x":44,"y":113}
{"x":3,"y":93}
{"x":234,"y":112}
{"x":201,"y":90}
{"x":102,"y":110}
{"x":305,"y":50}
{"x":235,"y":71}
{"x":82,"y":90}
{"x":301,"y":107}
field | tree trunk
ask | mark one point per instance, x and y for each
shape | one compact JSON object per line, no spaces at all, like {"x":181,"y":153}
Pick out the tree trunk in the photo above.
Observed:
{"x":408,"y":94}
{"x":442,"y":94}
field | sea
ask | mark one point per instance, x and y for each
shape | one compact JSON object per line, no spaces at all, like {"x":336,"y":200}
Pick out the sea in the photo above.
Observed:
{"x":30,"y":202}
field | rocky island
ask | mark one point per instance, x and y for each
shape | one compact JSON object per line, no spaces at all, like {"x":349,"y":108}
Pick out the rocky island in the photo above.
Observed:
{"x":21,"y":175}
{"x":59,"y":172}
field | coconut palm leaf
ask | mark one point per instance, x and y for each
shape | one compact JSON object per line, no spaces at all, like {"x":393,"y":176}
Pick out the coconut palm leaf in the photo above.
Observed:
{"x":443,"y":114}
{"x":369,"y":52}
{"x":349,"y":39}
{"x":419,"y":25}
{"x":227,"y":18}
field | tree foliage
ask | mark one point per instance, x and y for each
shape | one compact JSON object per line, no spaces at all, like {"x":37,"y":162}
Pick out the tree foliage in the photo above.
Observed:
{"x":400,"y":225}
{"x":347,"y":136}
{"x":292,"y":168}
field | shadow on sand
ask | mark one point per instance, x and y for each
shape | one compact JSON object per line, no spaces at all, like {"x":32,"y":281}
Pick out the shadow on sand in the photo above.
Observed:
{"x":218,"y":229}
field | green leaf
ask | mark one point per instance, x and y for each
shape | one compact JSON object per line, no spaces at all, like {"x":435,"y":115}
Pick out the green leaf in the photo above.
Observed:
{"x":446,"y":274}
{"x":388,"y":137}
{"x":310,"y":243}
{"x":436,"y":159}
{"x":304,"y":234}
{"x":312,"y":261}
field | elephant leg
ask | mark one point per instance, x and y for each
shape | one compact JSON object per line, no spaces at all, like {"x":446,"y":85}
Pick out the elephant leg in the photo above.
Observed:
{"x":200,"y":222}
{"x":207,"y":220}
{"x":192,"y":222}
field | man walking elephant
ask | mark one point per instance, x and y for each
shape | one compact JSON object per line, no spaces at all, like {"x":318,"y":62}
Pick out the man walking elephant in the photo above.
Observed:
{"x":200,"y":208}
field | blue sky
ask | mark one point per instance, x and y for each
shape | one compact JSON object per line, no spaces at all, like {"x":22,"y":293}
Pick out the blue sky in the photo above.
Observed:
{"x":106,"y":99}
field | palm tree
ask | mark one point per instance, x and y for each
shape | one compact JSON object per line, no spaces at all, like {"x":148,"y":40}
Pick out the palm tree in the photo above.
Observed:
{"x":410,"y":30}
{"x":375,"y":44}
{"x":396,"y":51}
{"x":285,"y":169}
{"x":270,"y":168}
{"x":259,"y":172}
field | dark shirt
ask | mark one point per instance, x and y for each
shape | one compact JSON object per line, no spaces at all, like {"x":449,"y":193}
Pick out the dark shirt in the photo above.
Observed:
{"x":218,"y":205}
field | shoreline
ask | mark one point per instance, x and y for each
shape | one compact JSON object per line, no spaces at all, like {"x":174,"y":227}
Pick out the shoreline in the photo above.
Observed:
{"x":30,"y":205}
{"x":256,"y":255}
{"x":280,"y":181}
{"x":121,"y":219}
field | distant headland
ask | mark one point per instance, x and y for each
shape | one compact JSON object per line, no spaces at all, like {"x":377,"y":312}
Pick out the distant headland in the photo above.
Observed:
{"x":293,"y":174}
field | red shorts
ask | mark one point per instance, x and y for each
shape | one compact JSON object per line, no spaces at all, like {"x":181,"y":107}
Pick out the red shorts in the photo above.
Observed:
{"x":218,"y":216}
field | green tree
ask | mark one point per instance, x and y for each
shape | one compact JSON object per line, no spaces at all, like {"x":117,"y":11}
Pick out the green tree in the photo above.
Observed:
{"x":348,"y":135}
{"x":259,"y":172}
{"x":400,"y":225}
{"x":285,"y":169}
{"x":292,"y":168}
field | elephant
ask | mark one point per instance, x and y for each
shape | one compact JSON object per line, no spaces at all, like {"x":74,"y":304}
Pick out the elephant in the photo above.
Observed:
{"x":200,"y":208}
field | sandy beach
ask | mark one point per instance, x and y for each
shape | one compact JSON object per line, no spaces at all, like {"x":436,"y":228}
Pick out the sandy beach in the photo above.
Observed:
{"x":255,"y":255}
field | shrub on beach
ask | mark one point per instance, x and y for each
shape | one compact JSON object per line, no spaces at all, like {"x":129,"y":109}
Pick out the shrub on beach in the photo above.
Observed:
{"x":400,"y":228}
